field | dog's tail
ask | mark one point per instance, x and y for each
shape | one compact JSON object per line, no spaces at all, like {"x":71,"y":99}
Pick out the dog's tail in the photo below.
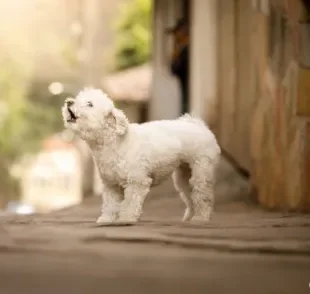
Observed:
{"x":195,"y":120}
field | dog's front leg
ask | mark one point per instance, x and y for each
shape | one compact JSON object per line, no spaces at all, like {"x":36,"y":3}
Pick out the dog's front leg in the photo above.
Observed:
{"x":131,"y":207}
{"x":111,"y":200}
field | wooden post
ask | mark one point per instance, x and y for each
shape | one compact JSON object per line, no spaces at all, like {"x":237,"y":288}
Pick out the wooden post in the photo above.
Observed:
{"x":203,"y":59}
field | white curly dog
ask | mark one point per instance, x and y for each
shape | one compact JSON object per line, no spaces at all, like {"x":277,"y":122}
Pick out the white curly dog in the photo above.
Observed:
{"x":131,"y":158}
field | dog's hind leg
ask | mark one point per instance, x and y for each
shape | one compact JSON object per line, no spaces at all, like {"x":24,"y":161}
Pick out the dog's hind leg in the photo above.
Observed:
{"x":202,"y":184}
{"x":181,"y":178}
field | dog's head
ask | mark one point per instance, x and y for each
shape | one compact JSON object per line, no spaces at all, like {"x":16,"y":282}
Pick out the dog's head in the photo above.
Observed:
{"x":92,"y":115}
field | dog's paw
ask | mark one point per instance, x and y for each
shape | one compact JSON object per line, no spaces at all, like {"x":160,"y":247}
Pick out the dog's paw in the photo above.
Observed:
{"x":202,"y":217}
{"x":105,"y":219}
{"x":127,"y":217}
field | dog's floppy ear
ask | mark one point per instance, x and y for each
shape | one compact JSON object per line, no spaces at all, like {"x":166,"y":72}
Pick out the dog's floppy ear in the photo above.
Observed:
{"x":121,"y":122}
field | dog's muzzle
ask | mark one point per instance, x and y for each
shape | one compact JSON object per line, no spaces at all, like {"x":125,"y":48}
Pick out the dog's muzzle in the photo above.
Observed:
{"x":72,"y":116}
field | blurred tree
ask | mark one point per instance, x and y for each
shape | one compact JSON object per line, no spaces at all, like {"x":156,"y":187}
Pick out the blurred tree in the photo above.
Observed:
{"x":13,"y":88}
{"x":28,"y":113}
{"x":133,"y":34}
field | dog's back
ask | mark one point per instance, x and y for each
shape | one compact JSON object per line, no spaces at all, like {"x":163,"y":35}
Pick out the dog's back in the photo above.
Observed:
{"x":187,"y":129}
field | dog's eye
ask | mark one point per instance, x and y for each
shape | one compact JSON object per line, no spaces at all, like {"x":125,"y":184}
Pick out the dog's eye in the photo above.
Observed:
{"x":89,"y":104}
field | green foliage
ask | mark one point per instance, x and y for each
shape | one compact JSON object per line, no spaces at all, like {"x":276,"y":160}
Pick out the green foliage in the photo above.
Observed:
{"x":12,"y":124}
{"x":42,"y":114}
{"x":27,"y":115}
{"x":133,"y":34}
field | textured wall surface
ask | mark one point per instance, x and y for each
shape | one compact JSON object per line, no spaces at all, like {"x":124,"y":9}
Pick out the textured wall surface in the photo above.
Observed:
{"x":264,"y":90}
{"x":235,"y":85}
{"x":280,"y":130}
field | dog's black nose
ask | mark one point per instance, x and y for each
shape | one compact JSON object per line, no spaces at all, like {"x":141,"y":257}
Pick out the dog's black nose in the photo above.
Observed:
{"x":69,"y":102}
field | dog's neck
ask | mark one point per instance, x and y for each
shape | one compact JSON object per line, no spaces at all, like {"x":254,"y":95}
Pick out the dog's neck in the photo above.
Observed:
{"x":101,"y":141}
{"x":110,"y":135}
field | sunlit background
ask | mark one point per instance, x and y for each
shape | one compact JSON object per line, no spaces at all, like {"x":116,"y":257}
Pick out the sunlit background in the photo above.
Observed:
{"x":247,"y":78}
{"x":249,"y":73}
{"x":49,"y":50}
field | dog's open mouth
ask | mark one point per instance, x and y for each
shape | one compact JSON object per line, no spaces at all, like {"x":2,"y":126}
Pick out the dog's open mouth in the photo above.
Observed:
{"x":73,"y":117}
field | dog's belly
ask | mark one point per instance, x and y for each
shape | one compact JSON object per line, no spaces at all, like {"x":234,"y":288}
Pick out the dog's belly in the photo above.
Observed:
{"x":117,"y":175}
{"x":161,"y":174}
{"x":157,"y":180}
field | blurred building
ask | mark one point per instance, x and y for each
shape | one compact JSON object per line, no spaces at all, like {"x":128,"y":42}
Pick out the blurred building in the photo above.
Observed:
{"x":51,"y":179}
{"x":249,"y":80}
{"x":130,"y":90}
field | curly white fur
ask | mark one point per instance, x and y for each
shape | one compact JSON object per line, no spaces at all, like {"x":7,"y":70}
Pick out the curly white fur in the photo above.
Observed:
{"x":133,"y":157}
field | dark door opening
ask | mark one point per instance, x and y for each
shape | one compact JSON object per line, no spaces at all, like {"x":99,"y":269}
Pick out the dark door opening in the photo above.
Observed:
{"x":180,"y":63}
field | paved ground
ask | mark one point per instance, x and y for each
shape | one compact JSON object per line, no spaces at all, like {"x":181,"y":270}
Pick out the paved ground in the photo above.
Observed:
{"x":241,"y":250}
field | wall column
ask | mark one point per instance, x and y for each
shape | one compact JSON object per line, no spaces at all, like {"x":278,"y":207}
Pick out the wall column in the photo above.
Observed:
{"x":203,"y":67}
